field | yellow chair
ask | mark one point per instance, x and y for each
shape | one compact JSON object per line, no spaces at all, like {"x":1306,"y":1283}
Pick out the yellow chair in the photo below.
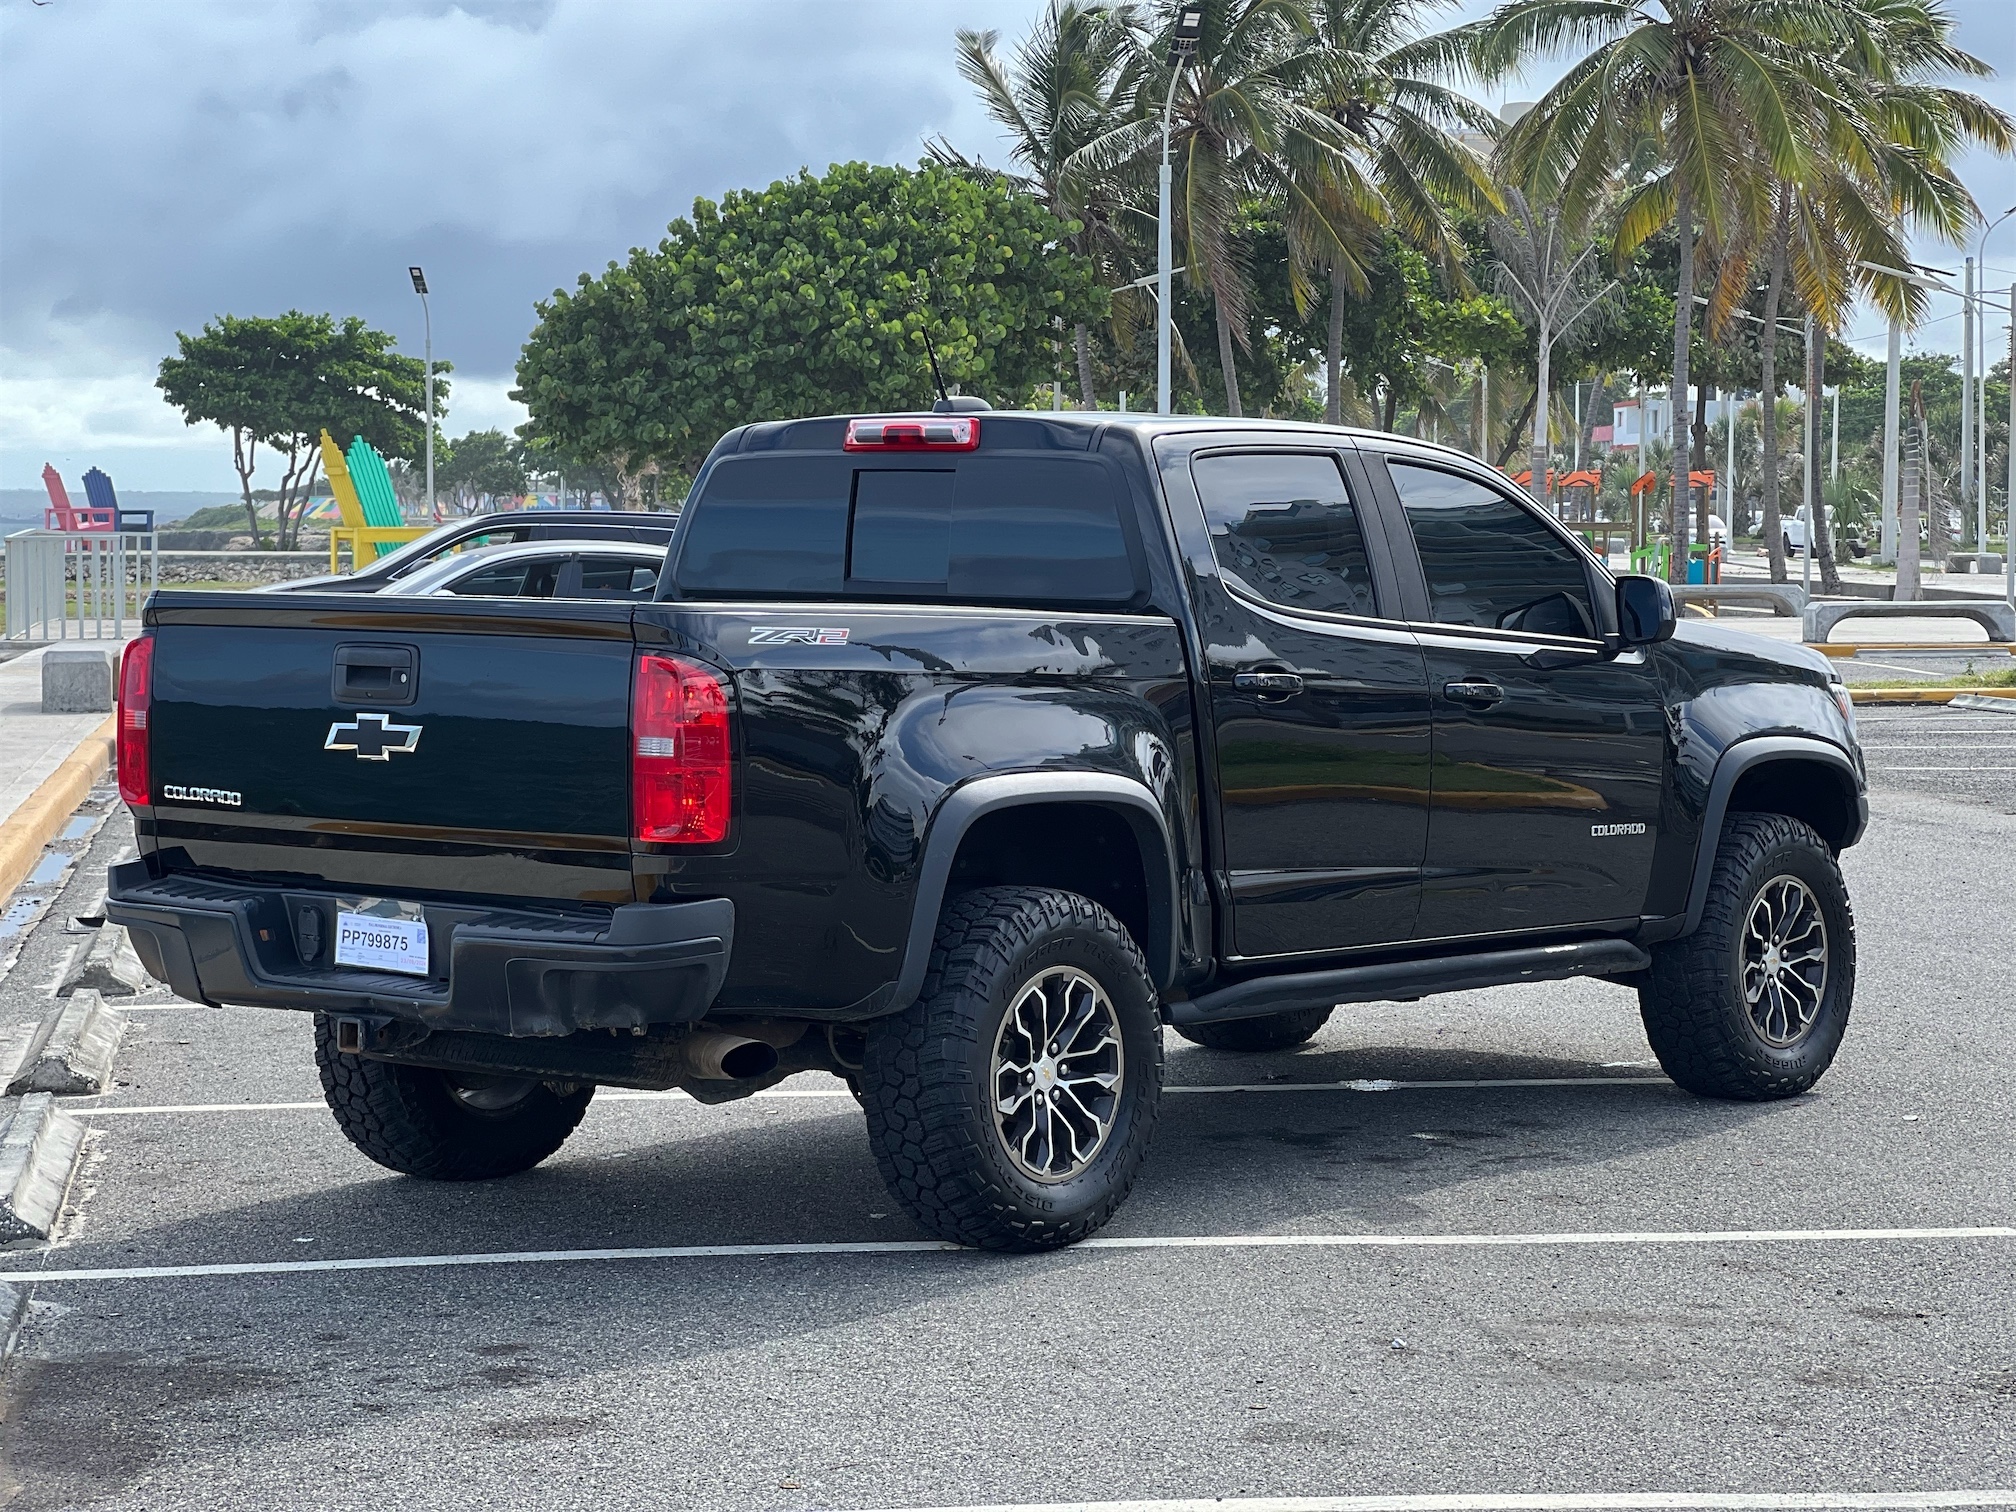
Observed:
{"x":356,"y":531}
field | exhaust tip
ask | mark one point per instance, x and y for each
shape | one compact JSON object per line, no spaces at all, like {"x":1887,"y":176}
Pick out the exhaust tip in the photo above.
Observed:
{"x":751,"y":1058}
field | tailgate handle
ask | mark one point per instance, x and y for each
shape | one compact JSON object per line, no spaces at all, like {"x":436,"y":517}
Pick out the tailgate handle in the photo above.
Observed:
{"x":374,"y":674}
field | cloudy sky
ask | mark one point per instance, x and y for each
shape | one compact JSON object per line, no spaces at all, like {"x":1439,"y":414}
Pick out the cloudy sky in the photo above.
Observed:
{"x":163,"y":163}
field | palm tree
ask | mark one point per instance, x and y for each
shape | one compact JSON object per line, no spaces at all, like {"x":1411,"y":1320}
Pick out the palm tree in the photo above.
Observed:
{"x":1245,"y":126}
{"x":1892,"y":135}
{"x":1063,"y":90}
{"x":1726,"y":92}
{"x":1378,"y":82}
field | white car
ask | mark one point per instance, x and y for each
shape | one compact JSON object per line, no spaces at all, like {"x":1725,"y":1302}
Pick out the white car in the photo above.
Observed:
{"x":541,"y":569}
{"x":1793,"y":530}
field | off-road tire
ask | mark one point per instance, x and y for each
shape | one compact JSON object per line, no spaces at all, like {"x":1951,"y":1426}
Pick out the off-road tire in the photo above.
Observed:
{"x":408,"y":1118}
{"x":1693,"y":1005}
{"x":1277,"y":1031}
{"x":928,"y":1072}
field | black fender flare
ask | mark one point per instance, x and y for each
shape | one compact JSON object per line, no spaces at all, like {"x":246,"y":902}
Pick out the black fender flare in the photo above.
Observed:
{"x":980,"y":796}
{"x":1744,"y":756}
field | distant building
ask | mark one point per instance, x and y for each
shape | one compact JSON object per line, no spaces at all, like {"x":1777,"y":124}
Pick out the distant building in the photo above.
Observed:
{"x":1656,"y":415}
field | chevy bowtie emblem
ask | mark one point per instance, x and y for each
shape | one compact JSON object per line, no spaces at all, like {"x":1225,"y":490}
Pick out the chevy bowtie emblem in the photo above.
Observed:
{"x":372,"y":737}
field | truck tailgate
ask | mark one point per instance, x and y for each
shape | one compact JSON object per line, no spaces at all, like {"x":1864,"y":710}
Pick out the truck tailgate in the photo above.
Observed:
{"x":499,"y":767}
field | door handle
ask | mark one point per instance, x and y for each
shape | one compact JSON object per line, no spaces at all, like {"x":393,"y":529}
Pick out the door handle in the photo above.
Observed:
{"x":1482,"y":694}
{"x":1269,"y":684}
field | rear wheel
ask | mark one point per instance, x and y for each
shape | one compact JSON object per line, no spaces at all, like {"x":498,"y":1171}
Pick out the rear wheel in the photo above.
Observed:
{"x":1277,"y":1031}
{"x":442,"y":1125}
{"x":1754,"y":1003}
{"x":1011,"y":1105}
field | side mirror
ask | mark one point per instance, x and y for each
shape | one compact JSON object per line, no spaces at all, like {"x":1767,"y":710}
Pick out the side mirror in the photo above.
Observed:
{"x":1645,"y":613}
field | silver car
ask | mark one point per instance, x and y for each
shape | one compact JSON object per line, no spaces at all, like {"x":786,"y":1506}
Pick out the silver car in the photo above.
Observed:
{"x":540,"y":569}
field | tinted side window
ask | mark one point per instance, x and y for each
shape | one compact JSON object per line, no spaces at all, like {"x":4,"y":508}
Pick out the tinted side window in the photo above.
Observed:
{"x":617,"y":578}
{"x":1282,"y":524}
{"x":1489,"y":560}
{"x":534,"y":579}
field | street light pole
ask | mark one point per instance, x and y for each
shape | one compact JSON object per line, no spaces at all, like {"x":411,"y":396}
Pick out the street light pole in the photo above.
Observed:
{"x":427,"y":315}
{"x":1980,"y":395}
{"x":1966,"y":392}
{"x":1182,"y":43}
{"x":1887,"y":546}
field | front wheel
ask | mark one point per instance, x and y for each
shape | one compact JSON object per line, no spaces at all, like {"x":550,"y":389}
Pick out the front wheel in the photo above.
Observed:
{"x":1010,"y":1107}
{"x":1754,"y":1003}
{"x":443,"y":1125}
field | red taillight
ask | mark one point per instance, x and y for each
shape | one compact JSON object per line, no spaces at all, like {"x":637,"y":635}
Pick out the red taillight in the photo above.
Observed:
{"x":136,"y":696}
{"x":933,"y":433}
{"x":679,"y":779}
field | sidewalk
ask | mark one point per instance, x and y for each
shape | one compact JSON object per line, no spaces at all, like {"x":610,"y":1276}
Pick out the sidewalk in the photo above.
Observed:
{"x":48,"y":762}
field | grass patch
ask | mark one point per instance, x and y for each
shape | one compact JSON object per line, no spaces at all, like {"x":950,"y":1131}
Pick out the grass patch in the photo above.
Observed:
{"x":1961,"y":680}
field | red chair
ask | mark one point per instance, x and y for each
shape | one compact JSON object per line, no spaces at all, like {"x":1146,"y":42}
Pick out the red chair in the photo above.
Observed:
{"x":63,"y":515}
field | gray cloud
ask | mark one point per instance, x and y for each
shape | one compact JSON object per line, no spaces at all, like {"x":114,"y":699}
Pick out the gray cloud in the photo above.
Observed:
{"x":165,"y":163}
{"x":168,"y":163}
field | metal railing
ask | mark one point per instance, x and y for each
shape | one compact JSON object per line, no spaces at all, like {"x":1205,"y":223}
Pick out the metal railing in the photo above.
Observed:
{"x":78,"y":584}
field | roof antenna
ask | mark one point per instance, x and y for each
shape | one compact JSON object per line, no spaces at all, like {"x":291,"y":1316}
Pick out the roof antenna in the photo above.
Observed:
{"x":937,"y":378}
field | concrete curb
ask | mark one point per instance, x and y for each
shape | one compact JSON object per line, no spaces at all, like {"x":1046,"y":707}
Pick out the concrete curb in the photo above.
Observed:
{"x":71,"y":1050}
{"x":38,"y":1153}
{"x":2000,"y":705}
{"x":1984,"y":698}
{"x":1840,"y":649}
{"x":110,"y":965}
{"x":41,"y":818}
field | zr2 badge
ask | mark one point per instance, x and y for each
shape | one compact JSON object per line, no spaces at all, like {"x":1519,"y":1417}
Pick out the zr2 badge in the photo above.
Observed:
{"x":797,"y":635}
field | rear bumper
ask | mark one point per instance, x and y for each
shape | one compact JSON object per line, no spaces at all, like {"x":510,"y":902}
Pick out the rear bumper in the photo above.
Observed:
{"x":494,"y":970}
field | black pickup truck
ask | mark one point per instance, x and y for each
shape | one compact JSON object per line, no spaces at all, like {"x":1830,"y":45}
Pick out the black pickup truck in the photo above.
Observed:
{"x":959,"y":754}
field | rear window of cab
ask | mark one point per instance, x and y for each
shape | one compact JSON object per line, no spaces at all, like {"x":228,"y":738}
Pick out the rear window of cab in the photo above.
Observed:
{"x":1044,"y":529}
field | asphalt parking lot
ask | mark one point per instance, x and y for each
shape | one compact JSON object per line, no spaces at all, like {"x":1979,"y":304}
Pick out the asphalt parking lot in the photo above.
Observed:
{"x":1472,"y":1246}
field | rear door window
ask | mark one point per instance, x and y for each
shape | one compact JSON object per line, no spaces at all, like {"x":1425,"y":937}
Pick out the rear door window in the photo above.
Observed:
{"x":614,"y":577}
{"x":520,"y":579}
{"x":1284,"y":528}
{"x":988,"y":528}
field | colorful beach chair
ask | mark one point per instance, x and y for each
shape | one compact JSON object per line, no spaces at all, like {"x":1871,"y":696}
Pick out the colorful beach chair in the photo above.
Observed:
{"x":372,"y":519}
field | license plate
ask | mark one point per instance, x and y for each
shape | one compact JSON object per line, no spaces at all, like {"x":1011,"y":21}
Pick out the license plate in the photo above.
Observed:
{"x":383,"y":941}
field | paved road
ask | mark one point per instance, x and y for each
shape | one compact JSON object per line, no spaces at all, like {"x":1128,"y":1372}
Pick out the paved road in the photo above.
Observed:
{"x":897,"y":1377}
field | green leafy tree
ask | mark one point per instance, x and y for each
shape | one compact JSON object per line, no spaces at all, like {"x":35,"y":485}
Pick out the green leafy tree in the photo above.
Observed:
{"x":485,"y":462}
{"x":278,"y":382}
{"x":812,"y":296}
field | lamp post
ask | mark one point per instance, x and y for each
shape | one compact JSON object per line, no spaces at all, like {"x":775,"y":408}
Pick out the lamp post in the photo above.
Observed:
{"x":427,"y":315}
{"x":1966,"y":391}
{"x":1893,"y":402}
{"x":1980,"y":395}
{"x":1182,"y":45}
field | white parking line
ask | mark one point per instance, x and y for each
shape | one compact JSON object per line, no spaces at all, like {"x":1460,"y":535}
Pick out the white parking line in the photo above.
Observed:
{"x":1875,"y":768}
{"x":80,"y":1105}
{"x":1593,"y":1501}
{"x":935,"y":1246}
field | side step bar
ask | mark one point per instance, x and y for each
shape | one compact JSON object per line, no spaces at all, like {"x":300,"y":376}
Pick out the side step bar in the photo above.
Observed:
{"x":1389,"y":980}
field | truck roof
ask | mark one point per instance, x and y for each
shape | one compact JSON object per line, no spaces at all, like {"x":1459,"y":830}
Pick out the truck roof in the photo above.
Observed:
{"x":823,"y":432}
